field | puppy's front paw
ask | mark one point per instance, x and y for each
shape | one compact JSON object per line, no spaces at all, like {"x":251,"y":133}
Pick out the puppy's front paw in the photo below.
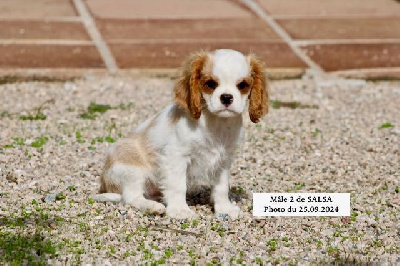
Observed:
{"x":155,"y":207}
{"x":232,"y":210}
{"x":181,"y":212}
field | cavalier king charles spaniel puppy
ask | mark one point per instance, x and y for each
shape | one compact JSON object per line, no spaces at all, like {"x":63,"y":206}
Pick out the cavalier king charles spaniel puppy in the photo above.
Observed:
{"x":191,"y":140}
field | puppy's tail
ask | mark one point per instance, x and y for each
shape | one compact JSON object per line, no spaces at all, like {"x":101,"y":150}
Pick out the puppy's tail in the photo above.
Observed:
{"x":111,"y":197}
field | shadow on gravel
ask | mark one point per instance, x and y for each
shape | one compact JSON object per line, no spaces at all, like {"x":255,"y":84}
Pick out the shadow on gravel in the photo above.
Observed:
{"x":343,"y":261}
{"x":202,"y":195}
{"x":18,"y":79}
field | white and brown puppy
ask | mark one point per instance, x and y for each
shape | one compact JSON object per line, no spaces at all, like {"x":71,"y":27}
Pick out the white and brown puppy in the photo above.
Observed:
{"x":192,"y":139}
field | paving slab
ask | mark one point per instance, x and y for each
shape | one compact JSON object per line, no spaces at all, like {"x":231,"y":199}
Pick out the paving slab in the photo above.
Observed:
{"x":188,"y":29}
{"x":333,"y":57}
{"x":18,"y":29}
{"x":36,"y":9}
{"x":167,"y":55}
{"x":38,"y":56}
{"x":166,"y":9}
{"x":343,"y":28}
{"x":331,"y":7}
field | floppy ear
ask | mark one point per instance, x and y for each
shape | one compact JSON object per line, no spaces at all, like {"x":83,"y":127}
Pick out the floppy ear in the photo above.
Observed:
{"x":258,"y":106}
{"x":188,"y":87}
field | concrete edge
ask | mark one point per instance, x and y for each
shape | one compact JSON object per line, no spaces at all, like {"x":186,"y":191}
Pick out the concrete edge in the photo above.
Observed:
{"x":373,"y":74}
{"x":60,"y":74}
{"x":71,"y":73}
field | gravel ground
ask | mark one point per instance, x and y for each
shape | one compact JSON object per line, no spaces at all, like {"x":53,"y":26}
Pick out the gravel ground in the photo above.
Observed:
{"x":338,"y":138}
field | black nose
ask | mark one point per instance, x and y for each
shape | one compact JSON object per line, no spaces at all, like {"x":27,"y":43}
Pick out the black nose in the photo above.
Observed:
{"x":226,"y":99}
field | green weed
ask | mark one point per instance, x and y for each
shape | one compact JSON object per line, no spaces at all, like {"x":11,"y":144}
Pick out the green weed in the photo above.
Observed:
{"x":19,"y":141}
{"x":19,"y":249}
{"x":316,"y":132}
{"x":184,"y":226}
{"x":109,"y":139}
{"x":30,"y":117}
{"x":272,"y":244}
{"x":276,"y":104}
{"x":71,"y":188}
{"x":168,"y":253}
{"x":78,"y":137}
{"x":36,"y":113}
{"x":219,"y":229}
{"x":39,"y":142}
{"x":93,"y":109}
{"x":300,"y":186}
{"x":386,"y":125}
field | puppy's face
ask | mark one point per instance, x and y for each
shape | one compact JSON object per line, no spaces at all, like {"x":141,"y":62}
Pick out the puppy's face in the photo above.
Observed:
{"x":224,"y":80}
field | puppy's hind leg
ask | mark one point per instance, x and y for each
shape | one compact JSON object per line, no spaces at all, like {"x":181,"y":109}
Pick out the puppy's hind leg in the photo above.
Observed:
{"x":104,"y":197}
{"x":133,"y":184}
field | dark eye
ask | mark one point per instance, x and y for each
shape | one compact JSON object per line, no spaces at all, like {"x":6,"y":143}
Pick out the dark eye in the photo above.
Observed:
{"x":211,"y":84}
{"x":243,"y":85}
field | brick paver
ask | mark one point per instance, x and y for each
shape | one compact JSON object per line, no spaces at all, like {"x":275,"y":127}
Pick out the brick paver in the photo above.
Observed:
{"x":302,"y":8}
{"x":337,"y":35}
{"x":36,"y":9}
{"x":34,"y":29}
{"x":196,"y":30}
{"x":333,"y":57}
{"x":378,"y":28}
{"x":167,"y":9}
{"x":49,"y":56}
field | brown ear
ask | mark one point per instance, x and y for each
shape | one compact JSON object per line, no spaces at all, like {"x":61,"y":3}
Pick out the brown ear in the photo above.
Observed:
{"x":188,"y":87}
{"x":258,"y":106}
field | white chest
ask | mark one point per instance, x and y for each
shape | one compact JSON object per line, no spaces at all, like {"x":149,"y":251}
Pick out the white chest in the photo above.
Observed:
{"x":206,"y":160}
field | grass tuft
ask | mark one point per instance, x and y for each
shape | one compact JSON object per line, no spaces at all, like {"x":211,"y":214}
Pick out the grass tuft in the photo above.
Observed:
{"x":276,"y":104}
{"x":39,"y":142}
{"x":18,"y":249}
{"x":30,"y":117}
{"x":93,"y":109}
{"x":386,"y":125}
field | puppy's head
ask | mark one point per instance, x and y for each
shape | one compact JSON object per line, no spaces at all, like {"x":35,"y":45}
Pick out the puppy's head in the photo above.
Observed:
{"x":224,"y":81}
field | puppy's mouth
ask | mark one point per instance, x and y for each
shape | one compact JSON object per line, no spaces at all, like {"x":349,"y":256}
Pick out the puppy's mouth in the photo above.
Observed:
{"x":226,"y":113}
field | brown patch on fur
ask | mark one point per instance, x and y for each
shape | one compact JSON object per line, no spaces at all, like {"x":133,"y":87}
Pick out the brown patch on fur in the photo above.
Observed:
{"x":189,"y":87}
{"x":249,"y":81}
{"x":152,"y":191}
{"x":134,"y":150}
{"x":206,"y":75}
{"x":105,"y":184}
{"x":175,"y":114}
{"x":204,"y":79}
{"x":258,"y":106}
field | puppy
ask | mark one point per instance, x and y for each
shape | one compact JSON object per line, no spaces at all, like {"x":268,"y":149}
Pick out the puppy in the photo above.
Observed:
{"x":191,"y":140}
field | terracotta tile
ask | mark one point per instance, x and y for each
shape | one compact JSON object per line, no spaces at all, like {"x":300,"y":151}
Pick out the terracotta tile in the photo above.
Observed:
{"x":18,"y":29}
{"x":171,"y":55}
{"x":166,"y":9}
{"x":332,"y":57}
{"x":331,"y":7}
{"x":251,"y":28}
{"x":44,"y":56}
{"x":36,"y":9}
{"x":349,"y":28}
